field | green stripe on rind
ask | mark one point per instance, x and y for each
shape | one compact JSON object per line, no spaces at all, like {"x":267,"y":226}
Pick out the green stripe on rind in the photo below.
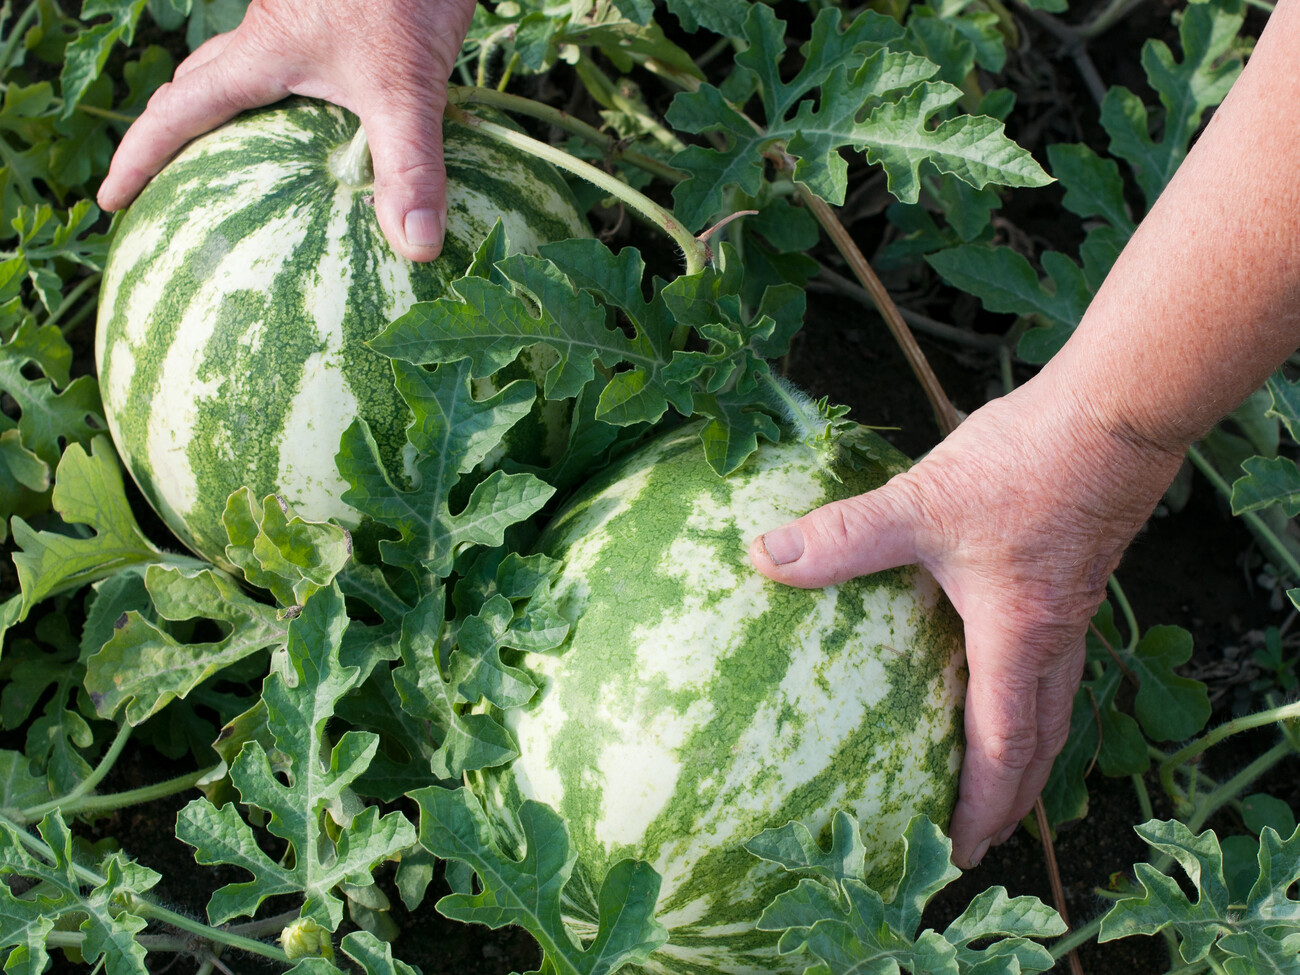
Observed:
{"x":697,"y":703}
{"x":240,"y":290}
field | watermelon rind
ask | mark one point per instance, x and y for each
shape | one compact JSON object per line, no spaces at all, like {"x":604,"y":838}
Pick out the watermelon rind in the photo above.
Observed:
{"x":697,"y":703}
{"x":239,"y":293}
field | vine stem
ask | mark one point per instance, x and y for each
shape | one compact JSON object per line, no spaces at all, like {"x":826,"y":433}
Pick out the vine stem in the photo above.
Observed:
{"x":518,"y":105}
{"x":694,"y":251}
{"x":1054,"y":876}
{"x":82,"y":286}
{"x":945,"y":413}
{"x":120,"y":800}
{"x":104,"y":113}
{"x":143,"y":908}
{"x":86,"y":785}
{"x":17,"y":33}
{"x":989,"y":344}
{"x":1259,"y":720}
{"x":1079,"y":936}
{"x":1257,"y":525}
{"x":1209,"y":805}
{"x":1126,"y":610}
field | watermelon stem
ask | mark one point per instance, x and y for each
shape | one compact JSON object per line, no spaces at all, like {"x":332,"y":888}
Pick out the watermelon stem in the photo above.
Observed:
{"x":614,"y":149}
{"x":350,"y":164}
{"x":816,"y":423}
{"x":694,"y":252}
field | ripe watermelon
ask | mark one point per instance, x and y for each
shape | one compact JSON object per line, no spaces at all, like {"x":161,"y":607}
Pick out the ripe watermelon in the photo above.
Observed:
{"x":697,"y":703}
{"x":240,"y":289}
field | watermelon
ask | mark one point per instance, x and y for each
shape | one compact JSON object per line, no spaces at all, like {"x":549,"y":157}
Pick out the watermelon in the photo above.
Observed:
{"x":697,"y":703}
{"x":239,"y":293}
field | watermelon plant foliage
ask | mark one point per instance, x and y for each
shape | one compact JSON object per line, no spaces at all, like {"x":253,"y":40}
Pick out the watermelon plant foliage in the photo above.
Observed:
{"x":320,"y":709}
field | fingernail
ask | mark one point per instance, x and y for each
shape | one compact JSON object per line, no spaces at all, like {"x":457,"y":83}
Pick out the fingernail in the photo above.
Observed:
{"x":783,"y":545}
{"x":423,"y":228}
{"x":978,"y":855}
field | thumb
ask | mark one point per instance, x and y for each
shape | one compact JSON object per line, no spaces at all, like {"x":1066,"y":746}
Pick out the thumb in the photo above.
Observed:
{"x":840,"y":540}
{"x":405,"y":136}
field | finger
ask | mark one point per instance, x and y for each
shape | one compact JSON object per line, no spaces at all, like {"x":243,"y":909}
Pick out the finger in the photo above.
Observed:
{"x":179,"y":111}
{"x":404,"y":129}
{"x":1001,"y":741}
{"x":201,"y":55}
{"x":838,"y":541}
{"x":1017,"y":720}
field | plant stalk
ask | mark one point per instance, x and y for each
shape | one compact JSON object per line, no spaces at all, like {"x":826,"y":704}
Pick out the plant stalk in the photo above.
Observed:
{"x":945,"y":413}
{"x":518,"y":105}
{"x":143,"y":908}
{"x":120,"y":800}
{"x":82,"y":286}
{"x":17,"y":33}
{"x":1209,"y":804}
{"x":1259,"y":720}
{"x":86,"y":785}
{"x":1079,"y":936}
{"x":1126,"y":609}
{"x":351,"y":164}
{"x":1259,"y":528}
{"x":694,"y":252}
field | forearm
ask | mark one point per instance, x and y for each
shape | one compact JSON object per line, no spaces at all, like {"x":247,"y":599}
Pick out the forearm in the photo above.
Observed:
{"x":1204,"y":302}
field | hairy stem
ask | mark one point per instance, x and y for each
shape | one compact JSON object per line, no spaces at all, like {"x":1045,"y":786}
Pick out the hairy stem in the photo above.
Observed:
{"x":86,"y":785}
{"x":69,"y":300}
{"x":146,"y":909}
{"x":518,"y":105}
{"x":1211,"y":801}
{"x":1079,"y":936}
{"x":1126,"y":610}
{"x":693,"y":250}
{"x":1257,"y":525}
{"x":945,"y":413}
{"x":130,"y":797}
{"x":1259,"y":720}
{"x":17,"y":33}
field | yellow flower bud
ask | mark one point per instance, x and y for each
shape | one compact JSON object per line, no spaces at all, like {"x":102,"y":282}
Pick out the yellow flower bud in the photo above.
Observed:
{"x":304,"y":938}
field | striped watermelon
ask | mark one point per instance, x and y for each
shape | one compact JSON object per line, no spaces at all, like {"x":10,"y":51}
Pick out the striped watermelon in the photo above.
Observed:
{"x":698,"y":703}
{"x":240,"y":289}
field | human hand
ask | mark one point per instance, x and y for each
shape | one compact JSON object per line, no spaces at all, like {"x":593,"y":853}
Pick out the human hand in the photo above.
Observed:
{"x":387,"y":61}
{"x":1021,"y":514}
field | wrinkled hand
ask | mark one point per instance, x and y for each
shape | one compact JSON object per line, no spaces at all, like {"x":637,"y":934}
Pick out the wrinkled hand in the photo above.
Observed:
{"x":385,"y":60}
{"x":1021,"y":514}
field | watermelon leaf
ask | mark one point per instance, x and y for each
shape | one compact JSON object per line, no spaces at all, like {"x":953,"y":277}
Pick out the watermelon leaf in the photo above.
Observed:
{"x":144,"y":667}
{"x":46,"y":671}
{"x":451,"y":433}
{"x":1268,"y":481}
{"x":47,"y":414}
{"x":564,"y":301}
{"x":334,"y":838}
{"x":1261,"y":935}
{"x":839,"y":918}
{"x":86,"y":56}
{"x":851,"y":90}
{"x":1187,"y":89}
{"x":88,"y":490}
{"x":1170,"y":707}
{"x":279,"y":551}
{"x":527,"y":891}
{"x":1004,"y":280}
{"x":467,"y":741}
{"x":98,"y":903}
